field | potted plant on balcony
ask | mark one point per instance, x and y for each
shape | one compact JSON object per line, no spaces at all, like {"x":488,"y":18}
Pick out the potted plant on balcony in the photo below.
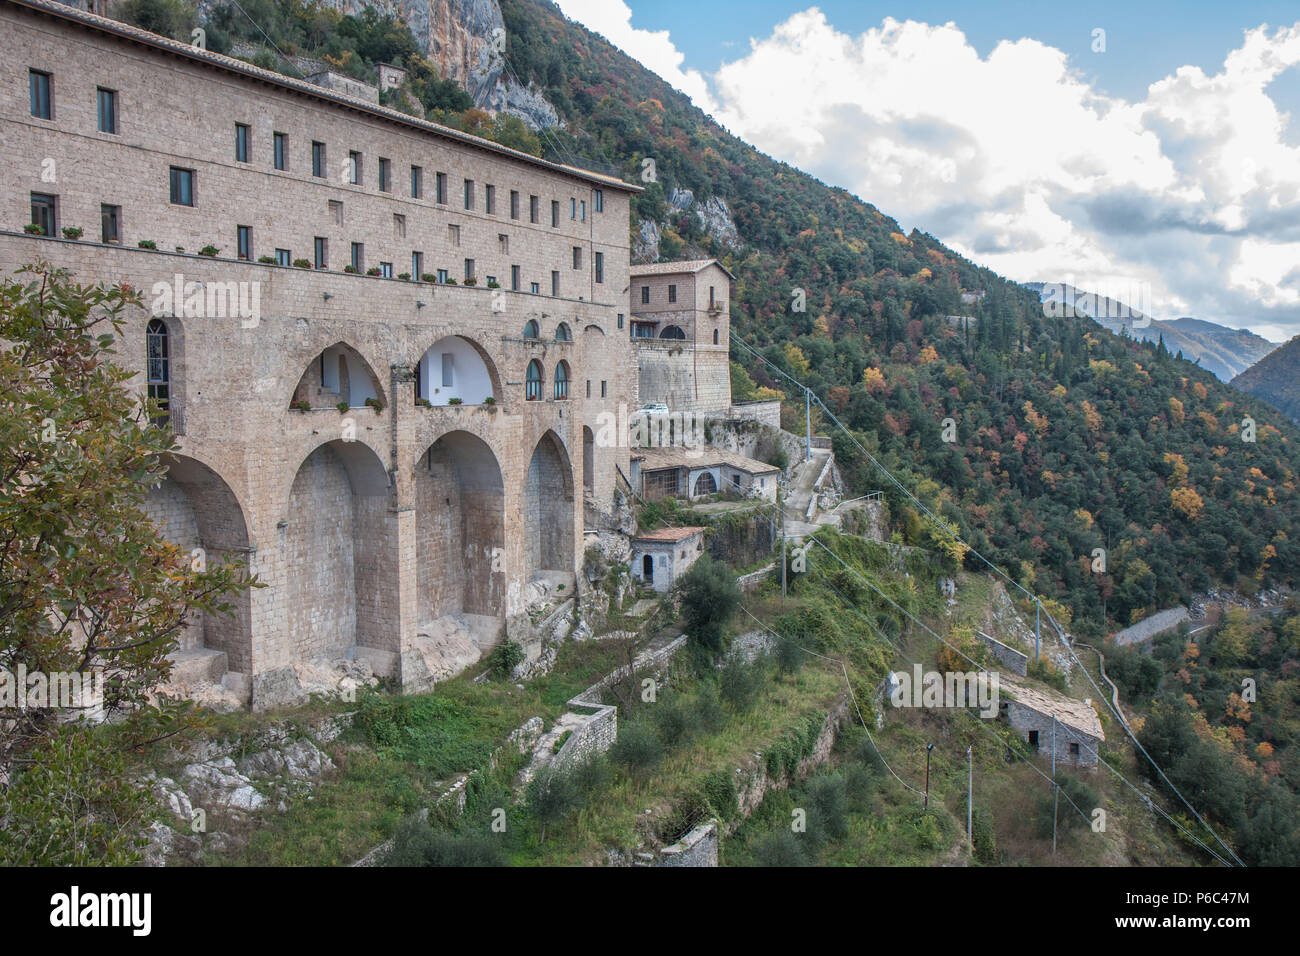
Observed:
{"x":342,"y":406}
{"x":374,"y":271}
{"x":455,"y":401}
{"x":376,"y":404}
{"x":493,"y":284}
{"x":266,"y":260}
{"x":470,"y":281}
{"x":32,"y":229}
{"x":302,"y":263}
{"x":147,"y":244}
{"x":350,"y":269}
{"x":72,"y":232}
{"x":404,"y":276}
{"x":428,"y":277}
{"x":209,"y":250}
{"x":422,"y":402}
{"x":300,"y":405}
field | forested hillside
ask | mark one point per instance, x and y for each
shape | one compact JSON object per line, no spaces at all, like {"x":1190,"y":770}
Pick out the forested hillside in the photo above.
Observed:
{"x":1276,"y":379}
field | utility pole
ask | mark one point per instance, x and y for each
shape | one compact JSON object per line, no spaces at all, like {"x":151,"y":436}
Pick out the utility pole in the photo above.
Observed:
{"x":807,"y":424}
{"x":1056,"y":790}
{"x":781,"y":500}
{"x":1038,"y":633}
{"x":928,"y":748}
{"x":970,"y":797}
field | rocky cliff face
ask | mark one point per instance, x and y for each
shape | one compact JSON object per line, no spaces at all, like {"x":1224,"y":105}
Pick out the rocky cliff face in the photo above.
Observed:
{"x":465,"y":39}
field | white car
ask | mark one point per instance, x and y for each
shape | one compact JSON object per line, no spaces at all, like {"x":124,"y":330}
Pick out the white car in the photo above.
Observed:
{"x":655,"y":408}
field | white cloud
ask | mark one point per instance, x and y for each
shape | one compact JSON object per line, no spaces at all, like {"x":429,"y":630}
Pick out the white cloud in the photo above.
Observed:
{"x":1016,"y":161}
{"x":653,"y":49}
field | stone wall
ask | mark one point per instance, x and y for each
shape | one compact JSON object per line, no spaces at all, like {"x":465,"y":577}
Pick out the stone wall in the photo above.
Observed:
{"x":1008,"y":657}
{"x":1025,"y":719}
{"x":591,"y":738}
{"x":767,"y":412}
{"x":1157,"y":623}
{"x":698,"y":848}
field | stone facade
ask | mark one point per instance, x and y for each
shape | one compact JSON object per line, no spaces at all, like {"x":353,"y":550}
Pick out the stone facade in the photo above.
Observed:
{"x":660,"y":557}
{"x":682,"y":332}
{"x":400,"y":532}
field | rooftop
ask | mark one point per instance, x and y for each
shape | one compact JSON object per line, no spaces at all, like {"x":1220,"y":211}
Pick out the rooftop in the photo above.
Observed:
{"x":669,"y":534}
{"x":1073,"y":713}
{"x":677,"y":268}
{"x":675,"y":456}
{"x":185,"y":51}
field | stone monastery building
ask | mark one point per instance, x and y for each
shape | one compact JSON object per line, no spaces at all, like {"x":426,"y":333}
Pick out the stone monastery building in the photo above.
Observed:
{"x":387,"y":383}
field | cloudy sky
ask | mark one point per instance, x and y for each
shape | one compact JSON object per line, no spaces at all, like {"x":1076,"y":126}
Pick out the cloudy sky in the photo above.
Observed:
{"x":1118,"y":149}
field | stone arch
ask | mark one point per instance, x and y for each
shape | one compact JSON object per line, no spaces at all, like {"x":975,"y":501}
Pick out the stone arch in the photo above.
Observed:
{"x":530,"y":329}
{"x":672,"y":332}
{"x":340,"y":550}
{"x":561,"y":380}
{"x":460,"y":530}
{"x":563,"y":333}
{"x":338,"y":373}
{"x":194,"y":508}
{"x":456,"y":367}
{"x":705,"y":484}
{"x":548,"y":509}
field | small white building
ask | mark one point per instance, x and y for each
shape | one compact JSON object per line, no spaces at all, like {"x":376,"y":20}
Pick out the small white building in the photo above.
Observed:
{"x":660,"y":557}
{"x":695,"y":472}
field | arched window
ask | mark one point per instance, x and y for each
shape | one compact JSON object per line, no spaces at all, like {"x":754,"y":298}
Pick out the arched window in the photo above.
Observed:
{"x":533,"y":381}
{"x":158,"y":375}
{"x":562,"y":333}
{"x":562,"y":380}
{"x":530,"y":329}
{"x":672,"y":332}
{"x":715,"y":336}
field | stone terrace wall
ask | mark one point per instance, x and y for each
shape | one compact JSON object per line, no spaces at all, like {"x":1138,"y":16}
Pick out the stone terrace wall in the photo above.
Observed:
{"x":1008,"y":657}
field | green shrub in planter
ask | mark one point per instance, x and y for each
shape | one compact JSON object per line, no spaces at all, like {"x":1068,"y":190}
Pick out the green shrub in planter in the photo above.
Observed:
{"x":147,"y":244}
{"x":376,"y":404}
{"x":266,"y":260}
{"x":32,"y":229}
{"x":450,"y":281}
{"x":423,"y":403}
{"x":489,"y":400}
{"x":210,"y":251}
{"x":428,"y":277}
{"x":301,"y":264}
{"x":454,"y":401}
{"x":374,"y":271}
{"x":350,"y":269}
{"x":494,"y":284}
{"x":301,"y":405}
{"x":404,"y":275}
{"x":343,"y":406}
{"x":470,"y":281}
{"x":72,"y":232}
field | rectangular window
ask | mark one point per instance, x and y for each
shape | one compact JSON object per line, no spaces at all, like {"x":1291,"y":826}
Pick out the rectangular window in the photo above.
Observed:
{"x":336,"y":211}
{"x":602,"y":388}
{"x":503,"y":243}
{"x":442,"y":187}
{"x":43,"y":207}
{"x":110,"y":221}
{"x":182,"y":186}
{"x":469,"y":194}
{"x":448,"y":369}
{"x":453,"y":234}
{"x":533,"y":208}
{"x":241,"y":143}
{"x":598,"y":200}
{"x":442,"y":277}
{"x":514,"y":278}
{"x":645,"y":295}
{"x":385,"y":175}
{"x":490,"y":199}
{"x":244,"y":241}
{"x":318,"y":159}
{"x":469,"y":269}
{"x":534,"y":288}
{"x":620,"y":320}
{"x":555,"y":213}
{"x":399,"y":226}
{"x":354,"y":167}
{"x":589,"y":388}
{"x":577,"y":257}
{"x":600,"y":267}
{"x":672,"y":293}
{"x":417,"y":182}
{"x":514,"y":204}
{"x":555,"y":283}
{"x":417,"y":265}
{"x":38,"y":84}
{"x":280,"y":144}
{"x":582,"y":210}
{"x":322,"y":252}
{"x":386,"y":270}
{"x":712,"y":303}
{"x":358,"y":255}
{"x":107,"y":110}
{"x":573,"y":208}
{"x":283,"y":257}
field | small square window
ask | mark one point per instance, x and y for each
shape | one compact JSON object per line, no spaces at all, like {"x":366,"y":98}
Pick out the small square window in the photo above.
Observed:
{"x":182,"y":186}
{"x":283,"y":257}
{"x":386,"y":270}
{"x":43,"y":212}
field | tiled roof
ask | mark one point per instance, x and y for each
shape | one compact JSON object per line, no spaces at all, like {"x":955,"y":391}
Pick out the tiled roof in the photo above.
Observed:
{"x":676,"y":268}
{"x":675,"y":456}
{"x":669,"y":534}
{"x":248,"y":70}
{"x":1073,"y":713}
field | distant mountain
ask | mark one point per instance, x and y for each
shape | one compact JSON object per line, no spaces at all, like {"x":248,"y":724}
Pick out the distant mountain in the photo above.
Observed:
{"x":1276,"y":379}
{"x":1221,"y":351}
